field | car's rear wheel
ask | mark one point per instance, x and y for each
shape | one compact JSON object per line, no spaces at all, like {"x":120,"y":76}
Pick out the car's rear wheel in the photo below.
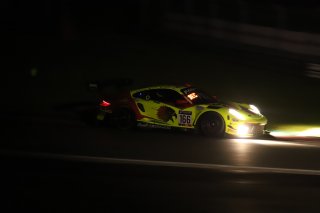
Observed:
{"x":211,"y":124}
{"x":124,"y":119}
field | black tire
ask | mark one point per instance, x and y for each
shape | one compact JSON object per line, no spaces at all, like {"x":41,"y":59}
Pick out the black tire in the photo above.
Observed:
{"x":211,"y":124}
{"x":124,"y":119}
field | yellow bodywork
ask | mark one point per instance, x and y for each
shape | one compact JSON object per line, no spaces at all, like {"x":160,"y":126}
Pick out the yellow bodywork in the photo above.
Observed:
{"x":250,"y":124}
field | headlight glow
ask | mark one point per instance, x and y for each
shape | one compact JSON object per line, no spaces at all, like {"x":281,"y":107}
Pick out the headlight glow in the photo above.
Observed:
{"x":254,"y":109}
{"x":236,"y":114}
{"x":243,"y":130}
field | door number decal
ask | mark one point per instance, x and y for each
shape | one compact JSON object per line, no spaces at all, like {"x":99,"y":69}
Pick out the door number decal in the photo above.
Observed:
{"x":185,"y":118}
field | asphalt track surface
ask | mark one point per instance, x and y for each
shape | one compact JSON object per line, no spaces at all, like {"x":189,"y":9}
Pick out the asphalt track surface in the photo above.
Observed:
{"x":61,"y":165}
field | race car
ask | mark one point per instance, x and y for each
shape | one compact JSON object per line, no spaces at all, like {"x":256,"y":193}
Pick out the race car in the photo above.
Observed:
{"x":186,"y":107}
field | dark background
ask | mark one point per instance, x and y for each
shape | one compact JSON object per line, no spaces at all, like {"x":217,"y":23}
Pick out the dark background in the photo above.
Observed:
{"x":51,"y":49}
{"x":53,"y":162}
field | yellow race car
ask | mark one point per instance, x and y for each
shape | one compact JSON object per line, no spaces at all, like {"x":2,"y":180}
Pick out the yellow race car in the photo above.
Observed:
{"x":170,"y":106}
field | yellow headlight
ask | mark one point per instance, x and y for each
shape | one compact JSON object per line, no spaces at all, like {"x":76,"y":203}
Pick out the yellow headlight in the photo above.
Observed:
{"x":254,"y":109}
{"x":243,"y":130}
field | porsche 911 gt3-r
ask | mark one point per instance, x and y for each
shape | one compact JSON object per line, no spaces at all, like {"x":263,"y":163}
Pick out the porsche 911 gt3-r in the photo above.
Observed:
{"x":170,"y":106}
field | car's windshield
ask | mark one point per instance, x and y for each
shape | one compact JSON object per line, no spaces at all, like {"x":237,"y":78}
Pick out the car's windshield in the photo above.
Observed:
{"x":197,"y":96}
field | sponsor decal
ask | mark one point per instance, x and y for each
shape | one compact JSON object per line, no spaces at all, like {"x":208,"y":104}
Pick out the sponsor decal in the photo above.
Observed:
{"x":192,"y":96}
{"x":185,"y":112}
{"x":215,"y":106}
{"x":153,"y":126}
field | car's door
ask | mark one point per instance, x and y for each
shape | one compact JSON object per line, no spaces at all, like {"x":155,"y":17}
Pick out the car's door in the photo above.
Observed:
{"x":165,"y":106}
{"x":147,"y":105}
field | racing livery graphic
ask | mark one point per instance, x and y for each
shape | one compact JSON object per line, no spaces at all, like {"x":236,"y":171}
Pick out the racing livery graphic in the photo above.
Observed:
{"x":166,"y":113}
{"x":187,"y":107}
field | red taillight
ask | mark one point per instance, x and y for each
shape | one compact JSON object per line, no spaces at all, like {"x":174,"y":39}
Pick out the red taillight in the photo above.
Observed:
{"x":104,"y":103}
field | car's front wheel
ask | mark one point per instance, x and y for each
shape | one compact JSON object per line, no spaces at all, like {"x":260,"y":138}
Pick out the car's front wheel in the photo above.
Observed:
{"x":211,"y":124}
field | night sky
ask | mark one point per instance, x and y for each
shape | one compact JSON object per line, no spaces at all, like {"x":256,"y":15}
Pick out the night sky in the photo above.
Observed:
{"x":73,"y":19}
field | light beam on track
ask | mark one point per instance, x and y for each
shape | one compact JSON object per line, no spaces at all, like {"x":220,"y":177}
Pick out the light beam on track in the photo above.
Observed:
{"x":138,"y":162}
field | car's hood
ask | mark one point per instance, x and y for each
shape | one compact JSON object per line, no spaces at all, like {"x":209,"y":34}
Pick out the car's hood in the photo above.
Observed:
{"x":219,"y":105}
{"x":243,"y":108}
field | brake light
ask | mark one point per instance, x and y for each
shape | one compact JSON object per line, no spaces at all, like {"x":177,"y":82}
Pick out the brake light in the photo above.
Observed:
{"x":104,"y":103}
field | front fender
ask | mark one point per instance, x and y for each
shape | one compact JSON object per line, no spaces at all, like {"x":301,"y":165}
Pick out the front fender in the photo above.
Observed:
{"x":223,"y":112}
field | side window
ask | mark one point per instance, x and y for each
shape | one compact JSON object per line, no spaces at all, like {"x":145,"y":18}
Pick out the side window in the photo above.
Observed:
{"x":172,"y":96}
{"x":156,"y":95}
{"x":153,"y":94}
{"x":168,"y":96}
{"x":143,"y":95}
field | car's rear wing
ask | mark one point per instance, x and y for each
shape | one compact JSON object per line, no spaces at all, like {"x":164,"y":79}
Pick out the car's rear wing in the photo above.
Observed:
{"x":110,"y":86}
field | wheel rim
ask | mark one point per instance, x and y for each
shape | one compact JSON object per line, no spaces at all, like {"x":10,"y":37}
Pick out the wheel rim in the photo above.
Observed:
{"x":212,"y":125}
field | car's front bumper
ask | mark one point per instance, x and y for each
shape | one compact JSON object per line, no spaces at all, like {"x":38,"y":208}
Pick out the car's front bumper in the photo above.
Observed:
{"x":246,"y":129}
